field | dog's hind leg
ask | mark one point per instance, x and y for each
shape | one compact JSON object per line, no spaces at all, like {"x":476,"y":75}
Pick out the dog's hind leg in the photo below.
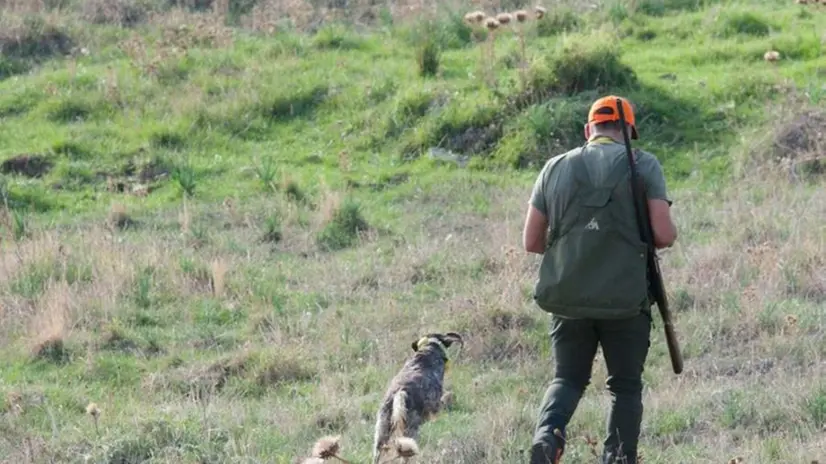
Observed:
{"x":382,"y":433}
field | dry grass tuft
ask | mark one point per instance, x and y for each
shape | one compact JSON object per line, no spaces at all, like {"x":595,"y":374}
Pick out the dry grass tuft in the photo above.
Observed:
{"x":118,"y":218}
{"x":49,"y":327}
{"x":219,"y":271}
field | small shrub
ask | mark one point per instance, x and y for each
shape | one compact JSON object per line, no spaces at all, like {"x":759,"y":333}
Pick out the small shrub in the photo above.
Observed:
{"x":294,"y":192}
{"x":71,"y":110}
{"x":448,"y":32}
{"x":557,"y":21}
{"x":816,"y":406}
{"x":73,"y":150}
{"x":186,"y":178}
{"x":272,"y":229}
{"x":167,"y":140}
{"x":409,"y":108}
{"x":53,"y":350}
{"x":143,"y":288}
{"x":266,"y":171}
{"x":34,"y":39}
{"x":343,"y":229}
{"x":743,"y":23}
{"x":337,"y":37}
{"x":301,"y":102}
{"x":428,"y":58}
{"x":583,"y":63}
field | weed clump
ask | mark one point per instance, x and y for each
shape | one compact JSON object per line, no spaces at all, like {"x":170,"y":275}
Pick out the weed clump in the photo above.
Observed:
{"x":51,"y":349}
{"x":272,"y":229}
{"x":743,"y":23}
{"x":293,"y":192}
{"x":123,"y":13}
{"x":32,"y":40}
{"x":35,"y":166}
{"x":343,"y":228}
{"x":583,"y":63}
{"x":560,"y":20}
{"x":334,"y":37}
{"x":428,"y":58}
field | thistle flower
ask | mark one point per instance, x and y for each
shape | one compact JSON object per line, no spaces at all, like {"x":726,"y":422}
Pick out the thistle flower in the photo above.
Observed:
{"x":540,"y":12}
{"x":328,"y":447}
{"x":475,"y":17}
{"x":492,"y":24}
{"x":771,"y":55}
{"x":503,"y":18}
{"x":93,"y":410}
{"x":521,"y":15}
{"x":406,"y":447}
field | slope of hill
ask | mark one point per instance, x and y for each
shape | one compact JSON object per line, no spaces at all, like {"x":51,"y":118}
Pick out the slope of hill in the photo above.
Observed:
{"x":222,"y":229}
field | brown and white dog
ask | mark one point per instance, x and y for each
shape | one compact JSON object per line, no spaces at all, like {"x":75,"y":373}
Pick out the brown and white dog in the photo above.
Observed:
{"x":415,"y":394}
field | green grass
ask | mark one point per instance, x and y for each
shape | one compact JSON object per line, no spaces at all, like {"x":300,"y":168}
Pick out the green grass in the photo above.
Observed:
{"x":291,"y":228}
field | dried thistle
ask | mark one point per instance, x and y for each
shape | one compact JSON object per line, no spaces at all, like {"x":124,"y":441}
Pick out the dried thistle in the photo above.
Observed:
{"x":521,"y":16}
{"x":219,"y":270}
{"x":492,"y":24}
{"x":540,"y":12}
{"x":118,"y":216}
{"x":328,"y":447}
{"x":406,"y":447}
{"x":93,"y":410}
{"x":771,"y":56}
{"x":504,"y":18}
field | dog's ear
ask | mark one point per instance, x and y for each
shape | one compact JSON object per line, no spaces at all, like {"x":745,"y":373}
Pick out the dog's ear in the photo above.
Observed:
{"x":451,"y":338}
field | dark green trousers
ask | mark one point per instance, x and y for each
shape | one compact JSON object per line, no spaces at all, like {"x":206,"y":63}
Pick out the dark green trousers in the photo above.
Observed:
{"x":625,"y":345}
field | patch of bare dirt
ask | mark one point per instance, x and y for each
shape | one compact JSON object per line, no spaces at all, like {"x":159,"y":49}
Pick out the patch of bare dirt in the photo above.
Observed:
{"x":34,"y":41}
{"x":804,"y":133}
{"x":27,"y":165}
{"x":139,"y":178}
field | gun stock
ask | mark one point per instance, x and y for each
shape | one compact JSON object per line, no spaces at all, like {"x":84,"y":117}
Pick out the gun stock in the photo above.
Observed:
{"x":655,"y":280}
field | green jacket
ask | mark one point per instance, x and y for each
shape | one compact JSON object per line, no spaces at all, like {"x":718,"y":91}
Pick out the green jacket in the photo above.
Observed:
{"x":594,"y":265}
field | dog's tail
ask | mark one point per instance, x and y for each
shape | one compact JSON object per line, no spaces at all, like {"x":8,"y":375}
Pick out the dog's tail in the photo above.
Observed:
{"x":398,"y":414}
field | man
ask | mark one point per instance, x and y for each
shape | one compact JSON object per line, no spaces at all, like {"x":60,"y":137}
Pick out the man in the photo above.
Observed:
{"x":592,"y":278}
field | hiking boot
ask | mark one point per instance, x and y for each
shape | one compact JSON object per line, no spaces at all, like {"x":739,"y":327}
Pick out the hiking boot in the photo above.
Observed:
{"x":543,"y":453}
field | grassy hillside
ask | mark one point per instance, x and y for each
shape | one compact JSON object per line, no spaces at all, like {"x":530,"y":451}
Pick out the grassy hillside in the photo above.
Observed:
{"x":223,"y":227}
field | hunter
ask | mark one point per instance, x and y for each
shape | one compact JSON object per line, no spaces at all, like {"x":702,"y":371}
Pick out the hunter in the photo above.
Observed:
{"x":592,"y":277}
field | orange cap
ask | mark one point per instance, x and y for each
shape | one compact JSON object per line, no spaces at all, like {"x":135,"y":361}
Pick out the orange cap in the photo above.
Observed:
{"x":605,"y":110}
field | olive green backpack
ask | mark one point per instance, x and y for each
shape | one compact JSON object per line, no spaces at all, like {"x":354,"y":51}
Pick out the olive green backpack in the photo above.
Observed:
{"x":594,"y":265}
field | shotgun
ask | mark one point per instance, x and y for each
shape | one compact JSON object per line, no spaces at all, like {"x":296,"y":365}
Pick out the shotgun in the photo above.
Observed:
{"x":655,"y":279}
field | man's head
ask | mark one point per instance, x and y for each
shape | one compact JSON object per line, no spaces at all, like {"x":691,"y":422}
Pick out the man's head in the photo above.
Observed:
{"x":603,"y":117}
